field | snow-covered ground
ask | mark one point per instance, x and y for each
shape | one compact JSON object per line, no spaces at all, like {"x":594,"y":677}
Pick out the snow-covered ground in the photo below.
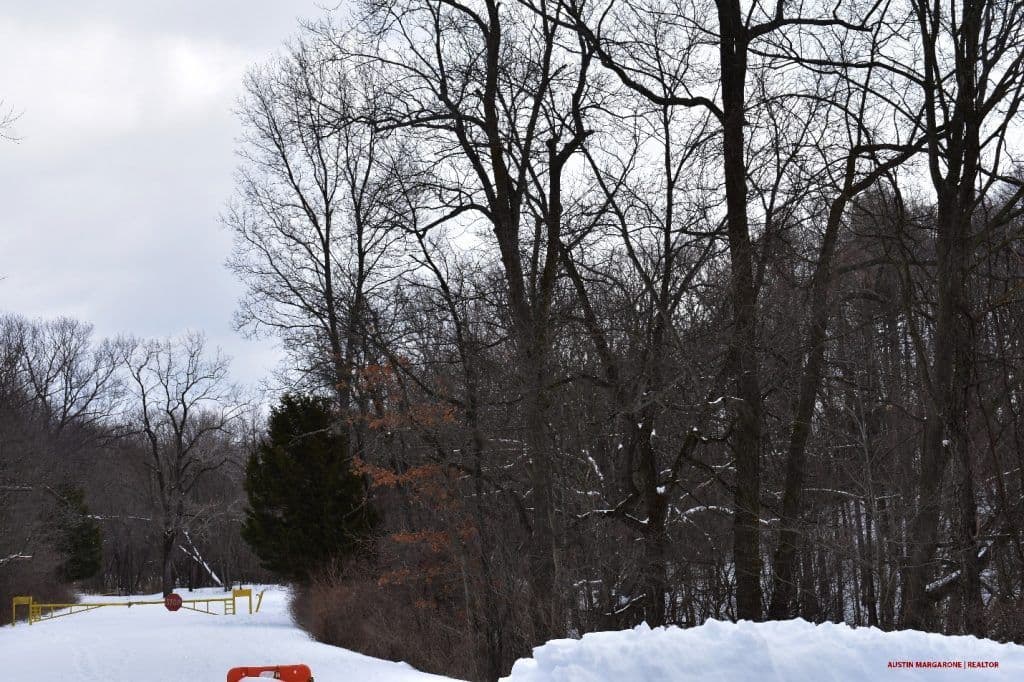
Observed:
{"x":151,"y":644}
{"x":769,"y":652}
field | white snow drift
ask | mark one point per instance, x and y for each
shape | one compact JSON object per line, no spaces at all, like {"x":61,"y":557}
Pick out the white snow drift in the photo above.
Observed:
{"x":787,"y":650}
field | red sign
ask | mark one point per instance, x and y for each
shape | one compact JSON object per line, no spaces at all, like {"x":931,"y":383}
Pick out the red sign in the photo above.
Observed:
{"x":172,"y":602}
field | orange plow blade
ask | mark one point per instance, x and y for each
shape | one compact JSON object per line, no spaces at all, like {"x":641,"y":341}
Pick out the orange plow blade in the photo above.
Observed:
{"x":288,"y":673}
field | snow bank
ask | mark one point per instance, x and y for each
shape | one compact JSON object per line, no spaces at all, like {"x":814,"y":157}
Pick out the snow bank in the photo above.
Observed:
{"x":151,"y":644}
{"x":786,"y":650}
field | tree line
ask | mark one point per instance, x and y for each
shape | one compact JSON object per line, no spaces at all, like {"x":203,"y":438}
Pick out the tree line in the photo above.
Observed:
{"x":650,"y":311}
{"x":121,"y":463}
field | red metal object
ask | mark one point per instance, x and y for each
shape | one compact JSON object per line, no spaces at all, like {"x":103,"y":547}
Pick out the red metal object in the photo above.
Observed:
{"x":172,"y":602}
{"x":288,"y":673}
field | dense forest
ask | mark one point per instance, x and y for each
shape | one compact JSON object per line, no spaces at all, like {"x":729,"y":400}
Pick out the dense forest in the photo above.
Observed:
{"x":622,"y":311}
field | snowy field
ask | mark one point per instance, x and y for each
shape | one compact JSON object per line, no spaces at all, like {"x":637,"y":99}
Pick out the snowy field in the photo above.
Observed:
{"x":769,"y":652}
{"x":151,"y":644}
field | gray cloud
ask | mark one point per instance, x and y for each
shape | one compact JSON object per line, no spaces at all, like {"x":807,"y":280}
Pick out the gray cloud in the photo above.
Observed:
{"x":109,"y":204}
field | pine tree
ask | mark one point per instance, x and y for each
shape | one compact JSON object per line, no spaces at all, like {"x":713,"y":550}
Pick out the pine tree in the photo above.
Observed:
{"x":78,"y":537}
{"x":306,"y":505}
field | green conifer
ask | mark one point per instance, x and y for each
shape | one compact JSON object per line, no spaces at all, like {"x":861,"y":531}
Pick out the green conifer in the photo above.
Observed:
{"x":306,"y":505}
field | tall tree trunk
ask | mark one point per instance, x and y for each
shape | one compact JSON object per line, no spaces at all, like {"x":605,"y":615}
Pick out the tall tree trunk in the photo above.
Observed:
{"x":168,"y":541}
{"x":783,"y":586}
{"x":943,"y":416}
{"x":954,"y":163}
{"x":743,"y":351}
{"x":544,"y":551}
{"x":865,"y":556}
{"x":655,"y":549}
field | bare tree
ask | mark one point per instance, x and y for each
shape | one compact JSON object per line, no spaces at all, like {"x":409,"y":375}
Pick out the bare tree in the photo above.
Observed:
{"x":73,"y":379}
{"x":498,"y":133}
{"x":857,"y":151}
{"x":182,"y":405}
{"x":971,"y":79}
{"x":730,"y":33}
{"x":59,"y":390}
{"x":314,"y":243}
{"x":8,"y":117}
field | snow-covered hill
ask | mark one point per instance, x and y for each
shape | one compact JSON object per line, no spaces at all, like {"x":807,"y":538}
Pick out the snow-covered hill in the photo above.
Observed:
{"x":769,"y":652}
{"x":150,"y":644}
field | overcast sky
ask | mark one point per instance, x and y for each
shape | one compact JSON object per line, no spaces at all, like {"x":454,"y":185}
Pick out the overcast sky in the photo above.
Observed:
{"x":109,"y":203}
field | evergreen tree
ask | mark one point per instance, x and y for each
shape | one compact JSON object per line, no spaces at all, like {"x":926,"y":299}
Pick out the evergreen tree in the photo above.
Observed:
{"x":306,"y":505}
{"x":78,"y":538}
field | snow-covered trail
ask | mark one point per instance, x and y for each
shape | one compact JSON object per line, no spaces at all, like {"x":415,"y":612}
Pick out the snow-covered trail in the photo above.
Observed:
{"x":151,"y":644}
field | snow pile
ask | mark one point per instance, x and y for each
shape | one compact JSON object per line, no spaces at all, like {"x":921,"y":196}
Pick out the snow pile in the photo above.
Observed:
{"x":147,"y":643}
{"x":786,"y":650}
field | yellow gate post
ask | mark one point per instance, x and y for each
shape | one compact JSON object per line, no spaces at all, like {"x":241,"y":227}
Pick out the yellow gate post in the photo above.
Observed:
{"x":19,"y":601}
{"x":247,"y":593}
{"x":259,"y":601}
